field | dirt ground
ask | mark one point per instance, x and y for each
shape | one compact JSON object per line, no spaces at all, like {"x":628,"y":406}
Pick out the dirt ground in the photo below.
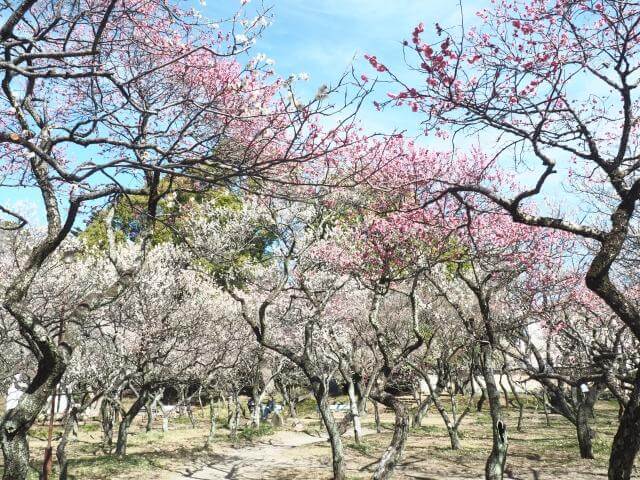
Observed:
{"x":538,"y":452}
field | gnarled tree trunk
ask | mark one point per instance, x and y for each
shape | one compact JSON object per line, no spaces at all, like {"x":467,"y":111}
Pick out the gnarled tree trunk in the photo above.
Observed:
{"x":125,"y":423}
{"x":494,"y":468}
{"x":393,"y":453}
{"x":584,"y":415}
{"x":213,"y":420}
{"x":626,"y":442}
{"x":337,"y":450}
{"x":17,"y":421}
{"x":61,"y":455}
{"x":355,"y":412}
{"x":107,"y":417}
{"x":452,"y":426}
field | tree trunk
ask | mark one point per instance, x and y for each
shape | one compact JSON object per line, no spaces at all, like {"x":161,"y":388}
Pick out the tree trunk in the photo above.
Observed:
{"x":190,"y":414}
{"x":376,"y":414}
{"x":257,"y":401}
{"x":452,"y":428}
{"x":213,"y":420}
{"x":125,"y":423}
{"x":422,"y":410}
{"x":106,"y":419}
{"x":165,"y":415}
{"x":517,"y":398}
{"x":504,"y":391}
{"x":494,"y":469}
{"x":234,"y":418}
{"x":584,"y":431}
{"x":63,"y":463}
{"x":17,"y":421}
{"x":337,"y":451}
{"x":149,"y":410}
{"x":481,"y":400}
{"x":355,"y":413}
{"x":393,"y":453}
{"x":544,"y":406}
{"x":288,"y":399}
{"x":626,"y":442}
{"x":584,"y":415}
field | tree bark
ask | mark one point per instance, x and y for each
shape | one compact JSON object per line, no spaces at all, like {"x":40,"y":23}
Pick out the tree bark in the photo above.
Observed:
{"x":422,"y":410}
{"x":452,"y":427}
{"x":125,"y":423}
{"x":393,"y":453}
{"x":376,"y":414}
{"x":494,"y":468}
{"x":149,"y":410}
{"x":234,"y":417}
{"x":213,"y":420}
{"x":17,"y":421}
{"x":626,"y":442}
{"x":337,"y":450}
{"x":63,"y":463}
{"x":584,"y":415}
{"x":355,"y":412}
{"x":289,"y":400}
{"x":516,"y":397}
{"x":107,"y":418}
{"x":481,"y":400}
{"x":544,"y":406}
{"x":256,"y":395}
{"x":585,"y":433}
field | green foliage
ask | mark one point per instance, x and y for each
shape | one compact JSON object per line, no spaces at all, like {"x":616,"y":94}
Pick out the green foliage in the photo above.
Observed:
{"x":307,"y":407}
{"x":90,"y":427}
{"x":131,"y":215}
{"x":255,"y":250}
{"x":426,"y":331}
{"x":457,"y":258}
{"x":94,"y":235}
{"x":428,"y":430}
{"x":362,"y":447}
{"x":249,"y":432}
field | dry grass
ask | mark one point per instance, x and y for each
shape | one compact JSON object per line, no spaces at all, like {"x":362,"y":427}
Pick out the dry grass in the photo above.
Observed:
{"x":550,"y":452}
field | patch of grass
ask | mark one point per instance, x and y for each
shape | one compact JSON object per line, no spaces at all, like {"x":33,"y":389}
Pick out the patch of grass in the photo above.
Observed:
{"x":98,"y":468}
{"x":183,"y":420}
{"x":249,"y":432}
{"x":107,"y":467}
{"x":602,"y":447}
{"x":90,"y":427}
{"x":427,"y":430}
{"x":41,"y":431}
{"x":556,"y":444}
{"x":307,"y":407}
{"x":483,"y":418}
{"x":363,"y":447}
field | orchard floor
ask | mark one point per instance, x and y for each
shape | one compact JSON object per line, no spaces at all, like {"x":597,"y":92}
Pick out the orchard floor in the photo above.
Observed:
{"x":538,"y":452}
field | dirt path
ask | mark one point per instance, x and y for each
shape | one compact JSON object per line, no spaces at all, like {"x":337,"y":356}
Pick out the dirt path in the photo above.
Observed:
{"x":540,"y":452}
{"x":265,"y":459}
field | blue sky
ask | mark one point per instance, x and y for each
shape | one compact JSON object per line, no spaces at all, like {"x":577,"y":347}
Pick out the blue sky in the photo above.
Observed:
{"x":323,"y":37}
